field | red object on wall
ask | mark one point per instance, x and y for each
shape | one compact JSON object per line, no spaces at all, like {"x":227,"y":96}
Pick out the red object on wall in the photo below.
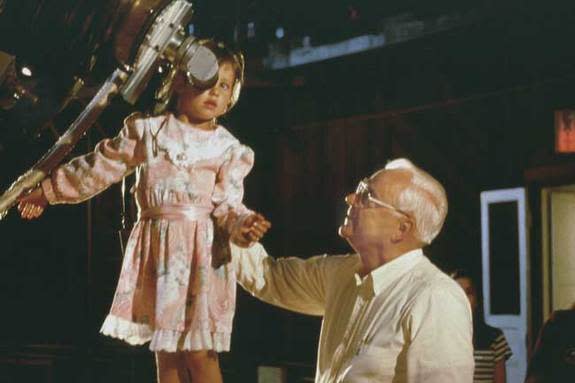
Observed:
{"x":565,"y":131}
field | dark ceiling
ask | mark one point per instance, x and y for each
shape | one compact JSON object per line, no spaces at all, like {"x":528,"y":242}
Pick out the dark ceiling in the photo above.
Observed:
{"x":62,"y":38}
{"x":321,"y":18}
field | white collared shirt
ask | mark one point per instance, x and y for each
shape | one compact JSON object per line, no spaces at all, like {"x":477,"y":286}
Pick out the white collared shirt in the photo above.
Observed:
{"x":406,"y":321}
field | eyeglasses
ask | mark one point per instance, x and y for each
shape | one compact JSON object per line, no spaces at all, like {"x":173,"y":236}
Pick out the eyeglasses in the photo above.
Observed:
{"x":363,"y":197}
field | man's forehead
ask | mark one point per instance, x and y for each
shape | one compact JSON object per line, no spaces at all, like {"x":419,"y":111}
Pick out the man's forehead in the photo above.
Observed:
{"x":385,"y":176}
{"x":386,"y":183}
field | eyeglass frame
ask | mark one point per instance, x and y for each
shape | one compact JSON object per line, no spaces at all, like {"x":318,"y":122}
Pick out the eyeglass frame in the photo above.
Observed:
{"x":363,"y":187}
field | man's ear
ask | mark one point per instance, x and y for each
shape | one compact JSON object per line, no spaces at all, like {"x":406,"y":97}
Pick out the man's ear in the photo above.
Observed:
{"x":403,"y":229}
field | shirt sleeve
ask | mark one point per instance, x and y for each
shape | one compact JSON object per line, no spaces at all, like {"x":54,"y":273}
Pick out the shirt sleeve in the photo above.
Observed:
{"x":291,"y":283}
{"x":87,"y":175}
{"x":440,"y":332}
{"x":501,"y":348}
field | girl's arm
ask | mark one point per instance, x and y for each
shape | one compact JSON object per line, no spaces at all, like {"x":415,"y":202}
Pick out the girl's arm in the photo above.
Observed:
{"x":87,"y":175}
{"x":499,"y":372}
{"x":502,"y":354}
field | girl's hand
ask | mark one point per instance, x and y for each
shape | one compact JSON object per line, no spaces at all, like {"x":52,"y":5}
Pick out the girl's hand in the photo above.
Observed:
{"x":252,"y":230}
{"x":32,"y":205}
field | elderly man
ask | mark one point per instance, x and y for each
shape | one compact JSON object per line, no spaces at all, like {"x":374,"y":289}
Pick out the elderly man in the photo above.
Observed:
{"x":389,"y":315}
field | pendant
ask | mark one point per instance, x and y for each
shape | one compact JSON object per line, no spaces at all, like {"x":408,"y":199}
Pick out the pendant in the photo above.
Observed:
{"x":182,"y":157}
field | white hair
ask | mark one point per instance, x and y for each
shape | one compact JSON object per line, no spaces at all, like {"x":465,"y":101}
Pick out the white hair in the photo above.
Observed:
{"x":424,"y":199}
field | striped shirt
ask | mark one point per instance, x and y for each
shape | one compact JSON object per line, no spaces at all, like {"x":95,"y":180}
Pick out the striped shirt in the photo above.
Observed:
{"x":490,"y":347}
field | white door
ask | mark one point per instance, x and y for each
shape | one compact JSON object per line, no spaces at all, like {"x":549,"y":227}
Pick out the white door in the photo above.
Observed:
{"x":504,"y":238}
{"x":558,"y":212}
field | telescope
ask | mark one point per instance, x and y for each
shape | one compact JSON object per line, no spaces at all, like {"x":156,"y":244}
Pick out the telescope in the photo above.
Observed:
{"x":152,"y":31}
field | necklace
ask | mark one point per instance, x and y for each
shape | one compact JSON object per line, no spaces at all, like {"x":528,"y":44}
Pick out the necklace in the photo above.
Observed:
{"x":193,"y":145}
{"x":155,"y":136}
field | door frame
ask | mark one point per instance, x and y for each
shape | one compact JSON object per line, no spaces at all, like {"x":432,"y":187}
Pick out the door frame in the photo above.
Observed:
{"x":522,"y":321}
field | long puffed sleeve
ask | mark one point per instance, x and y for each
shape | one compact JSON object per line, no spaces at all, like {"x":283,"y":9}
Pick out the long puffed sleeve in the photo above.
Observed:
{"x":87,"y":175}
{"x":229,"y":189}
{"x":227,"y":197}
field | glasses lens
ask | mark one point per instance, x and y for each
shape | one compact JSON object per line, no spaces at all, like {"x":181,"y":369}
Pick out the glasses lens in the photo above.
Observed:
{"x":362,"y":194}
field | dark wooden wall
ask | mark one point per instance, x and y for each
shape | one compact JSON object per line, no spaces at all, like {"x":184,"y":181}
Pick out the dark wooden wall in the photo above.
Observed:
{"x":473,"y":106}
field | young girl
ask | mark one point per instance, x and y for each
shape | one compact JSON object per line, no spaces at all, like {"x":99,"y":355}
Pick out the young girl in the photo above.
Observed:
{"x":176,"y":288}
{"x":491,"y":350}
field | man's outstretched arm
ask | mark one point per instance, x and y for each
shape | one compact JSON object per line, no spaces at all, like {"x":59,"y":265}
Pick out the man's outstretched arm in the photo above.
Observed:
{"x":292,"y":283}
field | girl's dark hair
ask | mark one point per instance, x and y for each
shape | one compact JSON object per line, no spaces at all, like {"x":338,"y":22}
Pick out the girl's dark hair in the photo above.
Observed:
{"x":462,"y":273}
{"x":483,"y":334}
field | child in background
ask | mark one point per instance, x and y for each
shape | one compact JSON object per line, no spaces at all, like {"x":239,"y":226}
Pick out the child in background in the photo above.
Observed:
{"x":176,"y":288}
{"x":490,"y":346}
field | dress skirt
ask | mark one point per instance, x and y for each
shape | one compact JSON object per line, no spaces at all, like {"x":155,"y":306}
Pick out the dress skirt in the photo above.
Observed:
{"x":169,"y":293}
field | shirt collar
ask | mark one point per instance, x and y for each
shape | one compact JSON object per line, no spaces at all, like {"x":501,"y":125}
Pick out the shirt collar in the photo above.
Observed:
{"x":384,"y":275}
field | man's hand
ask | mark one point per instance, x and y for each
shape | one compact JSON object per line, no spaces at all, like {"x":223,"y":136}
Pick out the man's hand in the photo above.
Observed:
{"x":32,"y":205}
{"x":252,"y":230}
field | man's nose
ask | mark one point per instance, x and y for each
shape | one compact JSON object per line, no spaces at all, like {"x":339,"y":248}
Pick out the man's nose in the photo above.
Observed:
{"x":350,"y":199}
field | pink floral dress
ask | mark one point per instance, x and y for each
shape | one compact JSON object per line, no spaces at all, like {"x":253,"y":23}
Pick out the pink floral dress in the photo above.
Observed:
{"x":176,"y":287}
